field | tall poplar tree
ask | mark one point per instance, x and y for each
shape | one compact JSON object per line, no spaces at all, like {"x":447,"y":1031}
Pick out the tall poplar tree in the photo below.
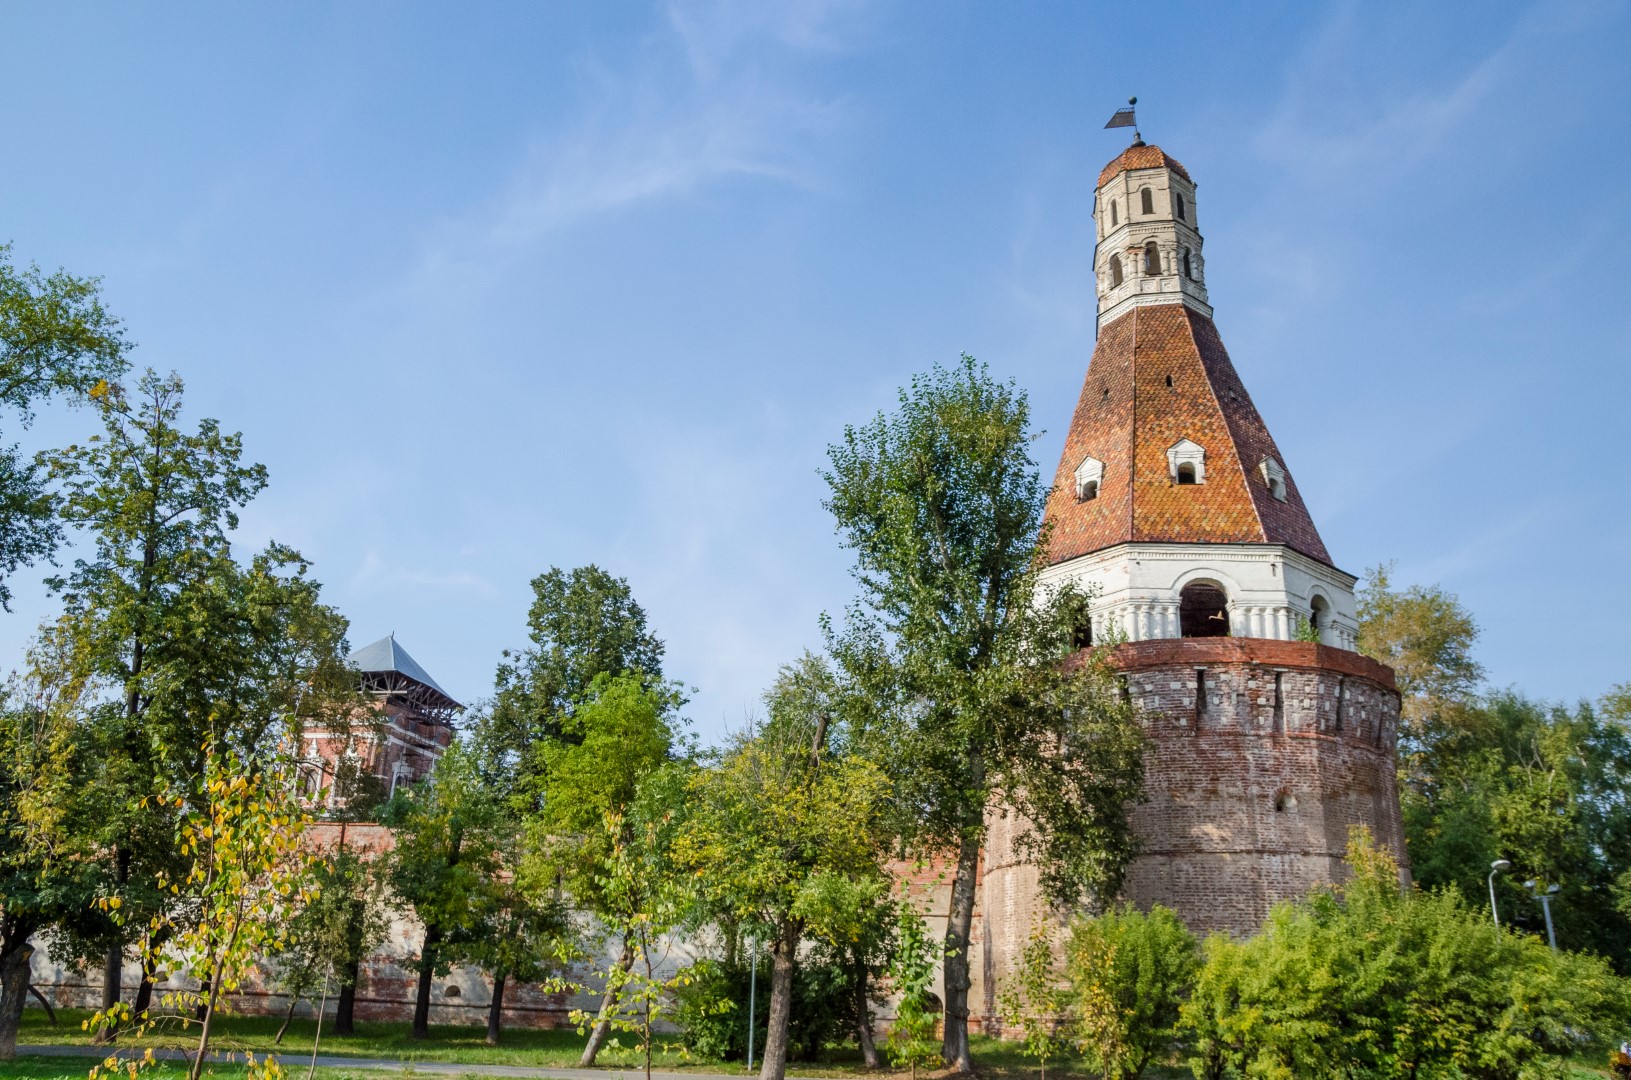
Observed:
{"x":964,"y":650}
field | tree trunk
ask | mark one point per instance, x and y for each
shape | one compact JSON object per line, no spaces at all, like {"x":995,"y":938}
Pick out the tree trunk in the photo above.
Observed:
{"x":954,"y":1044}
{"x":603,"y":1022}
{"x":345,"y":1009}
{"x":277,"y":1040}
{"x":14,"y":971}
{"x":782,"y":955}
{"x":209,"y":1021}
{"x":495,"y":1011}
{"x":863,"y":1018}
{"x":45,"y":1003}
{"x":113,"y":973}
{"x":427,"y":969}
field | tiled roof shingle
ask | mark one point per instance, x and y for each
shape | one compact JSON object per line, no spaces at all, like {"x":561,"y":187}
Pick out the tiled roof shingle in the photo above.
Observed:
{"x":1141,"y":157}
{"x":1128,"y":416}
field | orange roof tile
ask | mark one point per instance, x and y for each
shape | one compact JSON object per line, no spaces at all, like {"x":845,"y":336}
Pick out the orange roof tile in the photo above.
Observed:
{"x":1141,"y":157}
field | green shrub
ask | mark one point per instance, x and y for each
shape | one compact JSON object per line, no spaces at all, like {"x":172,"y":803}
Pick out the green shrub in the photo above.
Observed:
{"x":1377,"y":981}
{"x":713,"y":1011}
{"x":1129,"y":974}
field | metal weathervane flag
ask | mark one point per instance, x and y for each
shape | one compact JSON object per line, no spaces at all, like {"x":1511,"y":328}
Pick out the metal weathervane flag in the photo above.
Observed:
{"x":1124,"y":117}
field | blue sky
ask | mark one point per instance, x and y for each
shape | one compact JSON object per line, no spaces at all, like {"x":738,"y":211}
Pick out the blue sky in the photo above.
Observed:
{"x":496,"y":287}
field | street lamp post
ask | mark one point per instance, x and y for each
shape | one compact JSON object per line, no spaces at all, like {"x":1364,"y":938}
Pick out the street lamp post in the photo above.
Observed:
{"x":1545,"y":899}
{"x":1499,"y":866}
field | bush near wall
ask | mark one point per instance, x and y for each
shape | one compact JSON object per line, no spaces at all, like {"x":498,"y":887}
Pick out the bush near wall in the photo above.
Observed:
{"x":1376,"y":980}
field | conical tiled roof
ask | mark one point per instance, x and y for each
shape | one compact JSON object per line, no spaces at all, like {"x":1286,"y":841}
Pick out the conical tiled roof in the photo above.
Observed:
{"x":1129,"y":416}
{"x":1140,"y":156}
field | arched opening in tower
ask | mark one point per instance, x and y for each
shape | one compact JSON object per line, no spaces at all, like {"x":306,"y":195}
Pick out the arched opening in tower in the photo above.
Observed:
{"x":1203,"y":610}
{"x":1319,"y":614}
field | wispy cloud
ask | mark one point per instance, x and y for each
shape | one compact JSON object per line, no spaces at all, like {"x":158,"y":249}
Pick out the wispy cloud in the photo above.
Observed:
{"x":376,"y":574}
{"x":706,"y":98}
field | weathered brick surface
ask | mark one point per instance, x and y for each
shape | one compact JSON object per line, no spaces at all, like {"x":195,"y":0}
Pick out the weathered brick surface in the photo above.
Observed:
{"x":1252,"y":786}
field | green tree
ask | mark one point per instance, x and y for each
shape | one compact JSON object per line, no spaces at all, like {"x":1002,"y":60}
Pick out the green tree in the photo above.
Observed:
{"x":202,"y":655}
{"x":449,"y":831}
{"x":964,"y":651}
{"x":620,"y":735}
{"x":157,"y":504}
{"x":776,"y":830}
{"x":1542,"y":786}
{"x":1426,"y":636}
{"x":56,"y":340}
{"x":911,"y":1042}
{"x":583,"y":624}
{"x":242,"y":834}
{"x":523,"y":933}
{"x":1144,"y":966}
{"x":47,"y":874}
{"x":334,"y":931}
{"x":1034,"y":999}
{"x":643,"y":892}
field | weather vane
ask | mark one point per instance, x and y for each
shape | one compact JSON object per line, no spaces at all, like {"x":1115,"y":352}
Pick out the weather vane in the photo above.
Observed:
{"x":1125,"y":118}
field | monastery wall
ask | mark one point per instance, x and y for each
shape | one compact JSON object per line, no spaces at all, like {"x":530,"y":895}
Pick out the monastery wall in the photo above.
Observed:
{"x":389,"y":978}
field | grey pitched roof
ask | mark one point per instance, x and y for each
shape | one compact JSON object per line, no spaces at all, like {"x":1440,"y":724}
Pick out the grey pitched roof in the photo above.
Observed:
{"x":386,"y":655}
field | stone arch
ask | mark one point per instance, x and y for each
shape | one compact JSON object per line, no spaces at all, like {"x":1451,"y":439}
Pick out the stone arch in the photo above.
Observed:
{"x":1115,"y":271}
{"x":1319,"y":613}
{"x":1152,"y":259}
{"x":1203,"y":609}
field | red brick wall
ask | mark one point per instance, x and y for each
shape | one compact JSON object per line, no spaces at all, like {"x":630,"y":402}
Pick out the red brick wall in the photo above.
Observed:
{"x":1248,"y":802}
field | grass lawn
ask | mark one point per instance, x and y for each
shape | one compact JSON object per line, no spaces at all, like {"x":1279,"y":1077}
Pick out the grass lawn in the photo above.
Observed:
{"x":464,"y":1045}
{"x":25,"y":1068}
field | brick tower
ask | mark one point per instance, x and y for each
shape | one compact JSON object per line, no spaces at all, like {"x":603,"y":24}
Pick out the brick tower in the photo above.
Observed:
{"x":1174,"y":508}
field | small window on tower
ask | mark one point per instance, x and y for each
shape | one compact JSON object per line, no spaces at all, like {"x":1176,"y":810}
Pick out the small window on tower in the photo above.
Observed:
{"x":1146,"y":201}
{"x":1189,"y":267}
{"x":1152,"y":259}
{"x":1115,"y":268}
{"x":1187,"y":460}
{"x":1088,"y":475}
{"x":1275,"y":477}
{"x":1178,"y":205}
{"x":1115,"y":214}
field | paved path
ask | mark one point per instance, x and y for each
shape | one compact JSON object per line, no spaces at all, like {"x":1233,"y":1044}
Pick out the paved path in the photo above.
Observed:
{"x":292,"y":1060}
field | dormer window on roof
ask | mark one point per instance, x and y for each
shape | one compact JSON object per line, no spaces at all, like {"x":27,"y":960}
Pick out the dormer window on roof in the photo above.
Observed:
{"x":1186,"y":462}
{"x":1089,"y":474}
{"x":1275,"y":477}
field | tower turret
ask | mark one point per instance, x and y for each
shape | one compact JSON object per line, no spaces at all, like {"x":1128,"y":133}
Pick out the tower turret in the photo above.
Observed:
{"x":1172,"y":501}
{"x":1149,"y":244}
{"x":1268,"y":736}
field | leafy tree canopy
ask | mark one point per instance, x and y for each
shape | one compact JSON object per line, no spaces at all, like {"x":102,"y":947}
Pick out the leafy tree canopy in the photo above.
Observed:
{"x":56,"y":340}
